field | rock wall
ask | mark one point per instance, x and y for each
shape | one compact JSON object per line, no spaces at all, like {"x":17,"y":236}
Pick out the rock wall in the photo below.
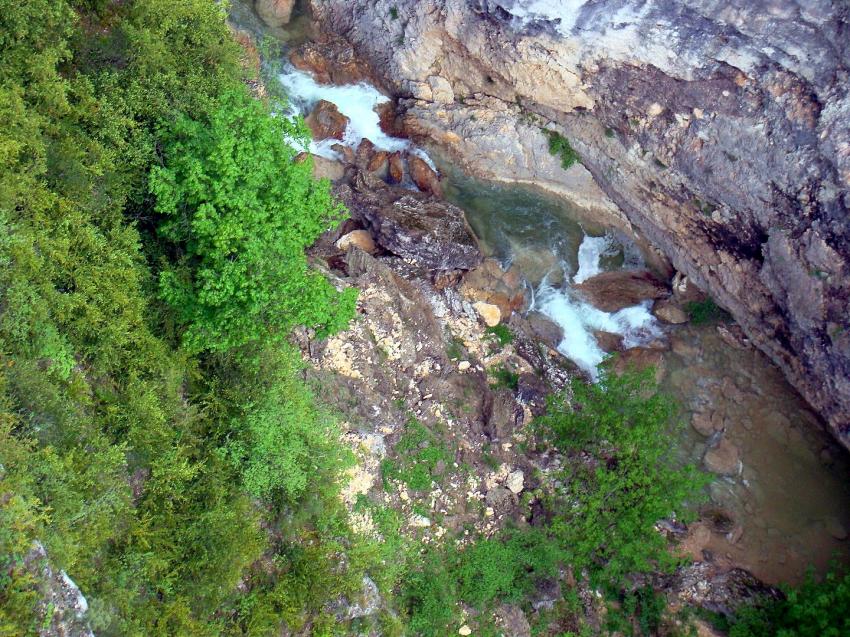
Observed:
{"x":720,"y":128}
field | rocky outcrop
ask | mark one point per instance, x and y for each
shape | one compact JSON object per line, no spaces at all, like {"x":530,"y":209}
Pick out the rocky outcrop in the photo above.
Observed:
{"x":721,"y":130}
{"x":326,"y":121}
{"x":427,"y":231}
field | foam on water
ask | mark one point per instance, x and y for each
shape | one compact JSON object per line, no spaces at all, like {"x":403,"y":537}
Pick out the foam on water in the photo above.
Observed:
{"x":590,"y":253}
{"x":356,"y":101}
{"x":579,"y":319}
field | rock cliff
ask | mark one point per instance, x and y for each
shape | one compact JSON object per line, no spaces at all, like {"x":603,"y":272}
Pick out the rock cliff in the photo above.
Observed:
{"x":720,"y":129}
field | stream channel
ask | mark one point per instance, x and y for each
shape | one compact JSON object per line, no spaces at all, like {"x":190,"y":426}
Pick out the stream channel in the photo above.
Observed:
{"x":786,"y":505}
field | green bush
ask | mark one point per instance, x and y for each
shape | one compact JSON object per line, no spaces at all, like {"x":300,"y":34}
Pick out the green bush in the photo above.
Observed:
{"x":814,"y":608}
{"x":623,"y":482}
{"x":559,"y":146}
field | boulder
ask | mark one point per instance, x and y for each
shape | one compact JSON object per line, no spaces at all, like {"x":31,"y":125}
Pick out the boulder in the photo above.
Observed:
{"x":545,"y":329}
{"x":489,"y":313}
{"x":396,"y":168}
{"x":490,"y":284}
{"x":325,"y":121}
{"x":608,"y":341}
{"x":378,"y":164}
{"x":613,"y":291}
{"x":515,"y":481}
{"x":669,"y":312}
{"x":359,"y":239}
{"x":724,"y":459}
{"x":431,"y":233}
{"x":344,"y":152}
{"x":424,"y":176}
{"x":274,"y":13}
{"x":324,"y":168}
{"x":331,"y":60}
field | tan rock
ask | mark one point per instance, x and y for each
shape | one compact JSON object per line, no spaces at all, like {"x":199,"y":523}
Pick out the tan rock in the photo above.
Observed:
{"x":324,"y":168}
{"x":667,"y":311}
{"x":608,"y":341}
{"x":359,"y":239}
{"x":724,"y":459}
{"x":326,"y":121}
{"x":515,"y":481}
{"x":274,"y":13}
{"x":464,"y":630}
{"x":707,"y":423}
{"x":424,"y":176}
{"x":489,"y":313}
{"x":441,"y":90}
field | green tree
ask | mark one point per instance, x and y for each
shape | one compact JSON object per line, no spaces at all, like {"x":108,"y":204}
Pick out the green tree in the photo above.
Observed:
{"x":240,"y":212}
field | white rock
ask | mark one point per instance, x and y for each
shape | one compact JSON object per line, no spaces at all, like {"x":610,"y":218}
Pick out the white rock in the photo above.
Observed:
{"x":489,"y":313}
{"x":464,"y":365}
{"x":464,"y":630}
{"x":515,"y":481}
{"x":419,"y":521}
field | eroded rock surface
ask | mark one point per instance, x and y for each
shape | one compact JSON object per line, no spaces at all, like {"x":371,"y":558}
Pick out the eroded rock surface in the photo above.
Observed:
{"x":721,"y":130}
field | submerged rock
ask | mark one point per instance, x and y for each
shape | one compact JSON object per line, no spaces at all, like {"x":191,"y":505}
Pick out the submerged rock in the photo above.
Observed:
{"x":724,"y":459}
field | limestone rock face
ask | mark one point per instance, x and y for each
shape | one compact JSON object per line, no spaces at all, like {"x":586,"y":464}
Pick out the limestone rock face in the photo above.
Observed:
{"x":720,"y":131}
{"x":275,"y":13}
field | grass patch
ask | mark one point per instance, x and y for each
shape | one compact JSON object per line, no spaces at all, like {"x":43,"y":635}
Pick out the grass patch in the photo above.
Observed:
{"x":420,"y":452}
{"x":502,"y":333}
{"x":503,"y":377}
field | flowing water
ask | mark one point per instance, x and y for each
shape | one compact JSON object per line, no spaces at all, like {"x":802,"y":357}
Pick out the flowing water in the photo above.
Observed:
{"x":788,"y":507}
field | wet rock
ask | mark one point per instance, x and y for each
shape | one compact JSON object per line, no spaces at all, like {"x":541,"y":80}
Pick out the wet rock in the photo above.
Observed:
{"x":345,"y":152}
{"x":609,"y":342}
{"x":424,"y":176}
{"x":359,"y":239}
{"x":545,"y":329}
{"x":324,"y":168}
{"x":274,"y":13}
{"x":331,"y":60}
{"x":724,"y":459}
{"x":613,"y":291}
{"x":325,"y":121}
{"x":640,"y":358}
{"x":432,"y":233}
{"x":396,"y":168}
{"x":378,"y":164}
{"x":669,"y":312}
{"x":707,"y":423}
{"x":489,"y":313}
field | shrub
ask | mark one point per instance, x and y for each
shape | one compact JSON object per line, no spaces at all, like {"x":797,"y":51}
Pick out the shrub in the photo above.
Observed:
{"x":240,"y":214}
{"x":625,"y":482}
{"x":560,"y":147}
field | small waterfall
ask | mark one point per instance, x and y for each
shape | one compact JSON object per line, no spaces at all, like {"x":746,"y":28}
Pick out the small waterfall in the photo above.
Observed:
{"x":579,"y":319}
{"x":357,"y":102}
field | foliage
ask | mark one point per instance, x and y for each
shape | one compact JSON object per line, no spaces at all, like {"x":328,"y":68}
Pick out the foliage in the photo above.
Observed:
{"x":814,"y":608}
{"x":505,"y":377}
{"x":559,"y":146}
{"x":502,"y":333}
{"x":624,"y":484}
{"x":242,"y":213}
{"x":420,"y":452}
{"x":153,"y":476}
{"x":703,"y":312}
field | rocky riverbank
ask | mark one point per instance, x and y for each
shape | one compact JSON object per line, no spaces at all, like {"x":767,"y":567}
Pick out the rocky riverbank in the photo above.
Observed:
{"x":720,"y":134}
